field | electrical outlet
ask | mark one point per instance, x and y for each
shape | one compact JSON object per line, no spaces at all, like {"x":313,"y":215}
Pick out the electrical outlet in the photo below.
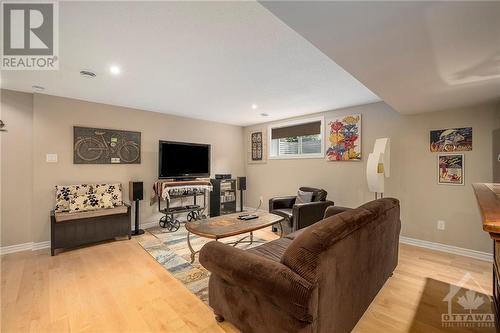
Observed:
{"x":441,"y":225}
{"x":51,"y":158}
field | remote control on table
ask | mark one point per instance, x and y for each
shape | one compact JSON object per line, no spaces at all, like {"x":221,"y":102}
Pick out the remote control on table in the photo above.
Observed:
{"x":248,"y":217}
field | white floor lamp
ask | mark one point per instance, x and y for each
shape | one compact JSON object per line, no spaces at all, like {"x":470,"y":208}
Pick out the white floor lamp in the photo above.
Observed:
{"x":379,"y":166}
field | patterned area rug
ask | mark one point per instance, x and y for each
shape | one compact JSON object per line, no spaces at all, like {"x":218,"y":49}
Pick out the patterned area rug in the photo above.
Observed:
{"x":170,"y":249}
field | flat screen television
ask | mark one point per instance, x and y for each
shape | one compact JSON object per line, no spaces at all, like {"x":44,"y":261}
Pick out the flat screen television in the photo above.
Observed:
{"x":179,"y":160}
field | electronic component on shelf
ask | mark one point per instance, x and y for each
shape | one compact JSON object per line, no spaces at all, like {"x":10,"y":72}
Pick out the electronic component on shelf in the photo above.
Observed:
{"x":223,"y":176}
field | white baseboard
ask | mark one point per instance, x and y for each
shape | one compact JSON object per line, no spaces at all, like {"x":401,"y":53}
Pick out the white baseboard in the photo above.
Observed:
{"x":31,"y":246}
{"x":41,"y":245}
{"x":447,"y":248}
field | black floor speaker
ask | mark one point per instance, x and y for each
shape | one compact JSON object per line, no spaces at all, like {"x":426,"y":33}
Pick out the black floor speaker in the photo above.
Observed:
{"x":242,"y":186}
{"x":136,"y":194}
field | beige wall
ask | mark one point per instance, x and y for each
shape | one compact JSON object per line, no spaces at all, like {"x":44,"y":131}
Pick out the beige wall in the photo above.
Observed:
{"x":16,"y":167}
{"x":53,"y":120}
{"x":413,"y":168}
{"x":41,"y":124}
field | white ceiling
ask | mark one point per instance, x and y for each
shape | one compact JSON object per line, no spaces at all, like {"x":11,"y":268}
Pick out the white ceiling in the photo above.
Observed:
{"x":417,"y":56}
{"x":207,"y":60}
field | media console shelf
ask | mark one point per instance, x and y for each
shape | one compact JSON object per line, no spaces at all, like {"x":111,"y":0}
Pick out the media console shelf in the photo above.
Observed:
{"x":223,"y":197}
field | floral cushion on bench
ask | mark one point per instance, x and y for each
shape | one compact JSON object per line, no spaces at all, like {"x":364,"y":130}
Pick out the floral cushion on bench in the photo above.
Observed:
{"x":65,"y":192}
{"x":78,"y":196}
{"x":87,"y":202}
{"x":115,"y":190}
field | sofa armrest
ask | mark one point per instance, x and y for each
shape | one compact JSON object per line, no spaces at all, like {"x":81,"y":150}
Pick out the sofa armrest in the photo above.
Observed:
{"x":260,"y":276}
{"x":334,"y":210}
{"x":281,"y":202}
{"x":308,"y":213}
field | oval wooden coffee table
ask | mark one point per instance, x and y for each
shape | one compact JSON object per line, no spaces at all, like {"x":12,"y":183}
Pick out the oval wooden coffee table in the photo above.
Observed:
{"x":229,"y":225}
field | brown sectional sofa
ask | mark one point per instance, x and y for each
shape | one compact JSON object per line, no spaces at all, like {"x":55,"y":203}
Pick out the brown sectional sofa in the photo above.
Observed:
{"x":318,"y":279}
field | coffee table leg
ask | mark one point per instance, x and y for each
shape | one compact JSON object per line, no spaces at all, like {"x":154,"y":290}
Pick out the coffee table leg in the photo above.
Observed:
{"x":281,"y":229}
{"x":193,"y":252}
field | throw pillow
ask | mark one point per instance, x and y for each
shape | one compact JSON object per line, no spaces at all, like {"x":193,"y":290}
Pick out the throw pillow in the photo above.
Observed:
{"x":303,"y":197}
{"x":115,"y":190}
{"x":82,"y":203}
{"x":65,"y":192}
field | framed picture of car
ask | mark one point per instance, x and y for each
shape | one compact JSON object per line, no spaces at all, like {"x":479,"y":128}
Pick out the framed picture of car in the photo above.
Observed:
{"x":451,"y":169}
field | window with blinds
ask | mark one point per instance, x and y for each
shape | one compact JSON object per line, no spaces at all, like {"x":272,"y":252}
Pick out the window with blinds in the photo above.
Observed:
{"x":297,"y":140}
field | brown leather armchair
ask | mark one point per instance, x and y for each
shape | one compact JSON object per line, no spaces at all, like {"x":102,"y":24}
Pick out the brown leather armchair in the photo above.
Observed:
{"x":300,"y":215}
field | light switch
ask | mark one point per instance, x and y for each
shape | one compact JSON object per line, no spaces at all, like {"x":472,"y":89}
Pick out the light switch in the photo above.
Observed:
{"x":51,"y":158}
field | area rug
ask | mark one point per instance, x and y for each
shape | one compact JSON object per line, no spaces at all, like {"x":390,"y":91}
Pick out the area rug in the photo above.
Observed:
{"x":170,"y":250}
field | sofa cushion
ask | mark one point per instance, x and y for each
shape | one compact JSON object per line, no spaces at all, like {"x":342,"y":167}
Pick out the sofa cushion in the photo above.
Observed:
{"x":67,"y":216}
{"x":65,"y":192}
{"x":115,"y":190}
{"x":302,"y":255}
{"x":295,"y":234}
{"x":273,"y":250}
{"x":379,"y":207}
{"x":86,"y":202}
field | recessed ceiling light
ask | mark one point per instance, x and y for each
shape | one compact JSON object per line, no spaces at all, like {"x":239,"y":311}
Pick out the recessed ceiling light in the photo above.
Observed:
{"x":115,"y":70}
{"x":264,"y":114}
{"x":37,"y":88}
{"x":88,"y":74}
{"x":254,"y":106}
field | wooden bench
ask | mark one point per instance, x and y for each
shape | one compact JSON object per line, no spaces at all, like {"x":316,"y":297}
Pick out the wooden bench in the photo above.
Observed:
{"x":70,"y":230}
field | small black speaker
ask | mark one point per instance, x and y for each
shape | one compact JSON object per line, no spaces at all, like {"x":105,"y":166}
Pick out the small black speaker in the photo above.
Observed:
{"x":136,"y":191}
{"x":242,"y":183}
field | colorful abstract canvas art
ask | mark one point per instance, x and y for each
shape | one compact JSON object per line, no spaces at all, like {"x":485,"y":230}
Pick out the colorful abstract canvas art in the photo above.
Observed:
{"x":451,"y":140}
{"x":345,"y":139}
{"x":451,"y":169}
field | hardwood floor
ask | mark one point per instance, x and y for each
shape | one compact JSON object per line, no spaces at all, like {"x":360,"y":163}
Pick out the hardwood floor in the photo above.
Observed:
{"x":118,"y":287}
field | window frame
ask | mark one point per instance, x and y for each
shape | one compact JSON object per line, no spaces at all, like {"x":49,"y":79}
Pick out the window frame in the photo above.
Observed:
{"x":270,"y":127}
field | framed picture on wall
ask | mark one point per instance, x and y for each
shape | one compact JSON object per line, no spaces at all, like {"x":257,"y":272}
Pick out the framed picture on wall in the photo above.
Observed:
{"x":105,"y":146}
{"x":451,"y":140}
{"x":451,"y":169}
{"x":256,"y":147}
{"x":345,"y":139}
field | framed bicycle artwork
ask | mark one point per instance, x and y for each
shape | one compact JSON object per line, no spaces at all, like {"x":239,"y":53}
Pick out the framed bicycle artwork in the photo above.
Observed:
{"x":105,"y":146}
